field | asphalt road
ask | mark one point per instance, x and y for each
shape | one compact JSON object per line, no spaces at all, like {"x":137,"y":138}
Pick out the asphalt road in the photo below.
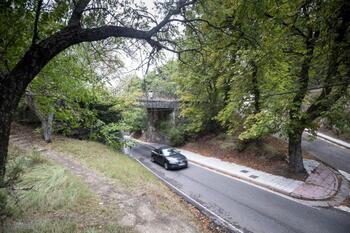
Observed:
{"x":250,"y":208}
{"x":331,"y":154}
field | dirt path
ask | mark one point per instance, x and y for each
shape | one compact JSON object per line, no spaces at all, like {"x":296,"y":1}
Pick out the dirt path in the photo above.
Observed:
{"x":136,"y":210}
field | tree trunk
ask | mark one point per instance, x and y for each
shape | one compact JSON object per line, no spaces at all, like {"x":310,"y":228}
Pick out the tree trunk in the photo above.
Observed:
{"x":46,"y":121}
{"x":5,"y":122}
{"x":295,"y":156}
{"x":8,"y":101}
{"x":255,"y":85}
{"x":47,"y":127}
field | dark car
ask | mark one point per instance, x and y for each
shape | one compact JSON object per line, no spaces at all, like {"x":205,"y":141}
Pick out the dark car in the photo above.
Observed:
{"x":169,"y":157}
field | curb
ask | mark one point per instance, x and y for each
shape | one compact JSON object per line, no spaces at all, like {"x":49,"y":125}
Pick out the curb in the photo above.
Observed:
{"x":333,"y":194}
{"x":330,"y":139}
{"x":242,"y":178}
{"x":290,"y":194}
{"x":255,"y":182}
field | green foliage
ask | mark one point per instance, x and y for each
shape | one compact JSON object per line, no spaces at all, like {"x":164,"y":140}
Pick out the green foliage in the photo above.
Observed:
{"x":250,"y":82}
{"x":162,"y":81}
{"x":69,"y":90}
{"x":338,"y":117}
{"x":176,"y":136}
{"x":82,"y":106}
{"x":258,"y":125}
{"x":16,"y":20}
{"x":110,"y":134}
{"x":134,"y":119}
{"x":200,"y":100}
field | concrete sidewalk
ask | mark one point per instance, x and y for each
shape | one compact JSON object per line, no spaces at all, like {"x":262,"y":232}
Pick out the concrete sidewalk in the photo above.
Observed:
{"x":321,"y":183}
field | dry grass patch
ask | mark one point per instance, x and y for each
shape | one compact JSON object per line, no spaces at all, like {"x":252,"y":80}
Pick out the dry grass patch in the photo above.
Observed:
{"x":48,"y":198}
{"x":148,"y":194}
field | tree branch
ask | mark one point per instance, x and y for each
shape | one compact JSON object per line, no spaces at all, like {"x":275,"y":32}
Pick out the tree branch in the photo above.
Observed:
{"x":180,"y":5}
{"x":79,"y":8}
{"x":36,"y":22}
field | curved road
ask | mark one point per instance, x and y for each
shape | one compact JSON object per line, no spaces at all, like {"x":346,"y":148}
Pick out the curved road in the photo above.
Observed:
{"x":248,"y":207}
{"x":336,"y":156}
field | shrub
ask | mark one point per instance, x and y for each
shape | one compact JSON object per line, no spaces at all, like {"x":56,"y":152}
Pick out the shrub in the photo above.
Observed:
{"x":111,"y":135}
{"x":241,"y":145}
{"x":228,"y":146}
{"x":176,"y":136}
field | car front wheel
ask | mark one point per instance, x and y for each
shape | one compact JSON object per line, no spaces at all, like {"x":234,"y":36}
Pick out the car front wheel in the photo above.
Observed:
{"x":166,"y":166}
{"x":152,"y":159}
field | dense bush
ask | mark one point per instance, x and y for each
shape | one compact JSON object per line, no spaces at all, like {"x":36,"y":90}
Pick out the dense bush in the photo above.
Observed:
{"x":176,"y":136}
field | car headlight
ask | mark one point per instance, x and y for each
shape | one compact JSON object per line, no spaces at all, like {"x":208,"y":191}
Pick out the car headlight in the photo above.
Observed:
{"x":171,"y":161}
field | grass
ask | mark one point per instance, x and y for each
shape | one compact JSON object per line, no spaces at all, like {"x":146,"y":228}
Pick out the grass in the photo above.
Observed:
{"x":73,"y":208}
{"x":113,"y":164}
{"x":122,"y":169}
{"x":47,"y":198}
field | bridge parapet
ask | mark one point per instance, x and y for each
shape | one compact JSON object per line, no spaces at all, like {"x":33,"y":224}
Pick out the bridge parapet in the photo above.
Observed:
{"x":159,"y":103}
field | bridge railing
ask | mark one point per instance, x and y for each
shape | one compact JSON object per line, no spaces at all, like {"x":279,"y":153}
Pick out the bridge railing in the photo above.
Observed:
{"x":159,"y":103}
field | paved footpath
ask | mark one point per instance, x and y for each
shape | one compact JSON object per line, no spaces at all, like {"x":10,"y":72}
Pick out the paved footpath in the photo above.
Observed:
{"x":321,"y":184}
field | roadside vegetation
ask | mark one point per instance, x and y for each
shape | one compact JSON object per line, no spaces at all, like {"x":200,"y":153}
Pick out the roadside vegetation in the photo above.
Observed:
{"x":111,"y":192}
{"x":46,"y":197}
{"x":125,"y":170}
{"x":128,"y":174}
{"x":246,"y":73}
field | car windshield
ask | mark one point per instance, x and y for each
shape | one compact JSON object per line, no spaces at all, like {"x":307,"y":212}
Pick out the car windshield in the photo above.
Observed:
{"x":169,"y":151}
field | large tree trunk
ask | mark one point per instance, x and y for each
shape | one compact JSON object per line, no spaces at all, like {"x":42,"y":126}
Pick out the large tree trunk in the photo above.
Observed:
{"x":5,"y":121}
{"x":295,"y":156}
{"x":8,"y":103}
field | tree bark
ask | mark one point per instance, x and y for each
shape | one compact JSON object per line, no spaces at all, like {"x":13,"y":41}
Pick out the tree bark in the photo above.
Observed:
{"x":47,"y":128}
{"x":8,"y":103}
{"x":5,"y":121}
{"x":46,"y":121}
{"x":297,"y":124}
{"x":295,"y":157}
{"x":255,"y":85}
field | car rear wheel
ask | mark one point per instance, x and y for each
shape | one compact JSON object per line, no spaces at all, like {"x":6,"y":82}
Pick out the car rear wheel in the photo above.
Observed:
{"x":166,"y":166}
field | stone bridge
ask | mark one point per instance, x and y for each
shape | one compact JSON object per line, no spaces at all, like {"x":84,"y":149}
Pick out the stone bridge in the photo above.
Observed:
{"x":159,"y":109}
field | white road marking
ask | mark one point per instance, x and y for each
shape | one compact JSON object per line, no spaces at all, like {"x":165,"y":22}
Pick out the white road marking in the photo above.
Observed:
{"x":343,"y":208}
{"x":326,"y":140}
{"x":304,"y":202}
{"x":345,"y":174}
